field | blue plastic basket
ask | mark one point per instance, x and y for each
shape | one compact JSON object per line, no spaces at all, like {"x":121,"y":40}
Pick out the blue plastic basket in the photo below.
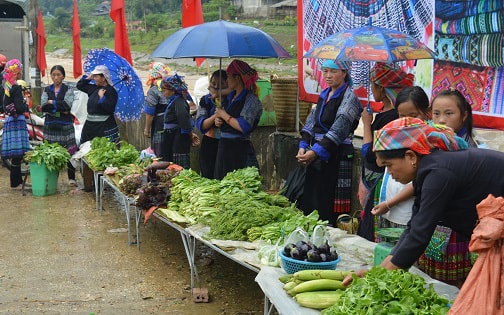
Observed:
{"x":291,"y":265}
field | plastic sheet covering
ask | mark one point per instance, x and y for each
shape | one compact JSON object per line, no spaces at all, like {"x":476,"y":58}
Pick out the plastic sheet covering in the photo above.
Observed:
{"x":239,"y":251}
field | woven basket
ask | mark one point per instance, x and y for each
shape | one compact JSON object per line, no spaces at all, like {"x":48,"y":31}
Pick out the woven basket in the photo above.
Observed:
{"x":285,"y":96}
{"x":291,"y":265}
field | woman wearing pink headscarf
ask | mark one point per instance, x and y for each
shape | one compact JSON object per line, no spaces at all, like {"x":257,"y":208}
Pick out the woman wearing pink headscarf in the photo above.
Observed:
{"x":15,"y":137}
{"x":237,"y":118}
{"x":155,"y":105}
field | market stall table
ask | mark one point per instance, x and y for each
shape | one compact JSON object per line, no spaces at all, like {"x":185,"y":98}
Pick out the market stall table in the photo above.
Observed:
{"x":355,"y":252}
{"x":127,"y":202}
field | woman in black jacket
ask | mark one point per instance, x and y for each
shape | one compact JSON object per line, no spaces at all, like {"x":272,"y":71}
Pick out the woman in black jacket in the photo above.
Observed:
{"x":102,"y":101}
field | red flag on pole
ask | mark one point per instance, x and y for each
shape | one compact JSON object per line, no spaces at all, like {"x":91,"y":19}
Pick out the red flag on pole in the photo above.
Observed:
{"x":192,"y":14}
{"x":41,"y":42}
{"x":77,"y":53}
{"x":122,"y":46}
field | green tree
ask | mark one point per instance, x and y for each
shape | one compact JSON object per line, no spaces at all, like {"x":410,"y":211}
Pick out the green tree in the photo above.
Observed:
{"x":62,"y":19}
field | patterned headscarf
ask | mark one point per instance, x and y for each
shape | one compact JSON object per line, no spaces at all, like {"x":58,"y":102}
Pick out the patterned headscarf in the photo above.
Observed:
{"x":391,"y":78}
{"x":247,"y":73}
{"x":176,"y":83}
{"x":416,"y":135}
{"x":10,"y":72}
{"x":157,"y":70}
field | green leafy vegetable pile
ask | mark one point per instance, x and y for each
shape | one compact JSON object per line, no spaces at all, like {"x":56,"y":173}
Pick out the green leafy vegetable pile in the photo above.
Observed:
{"x":105,"y":153}
{"x":53,"y":155}
{"x":383,"y":292}
{"x":236,"y":208}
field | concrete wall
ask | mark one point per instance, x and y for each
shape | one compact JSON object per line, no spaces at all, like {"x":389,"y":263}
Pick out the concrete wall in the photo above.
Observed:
{"x":253,"y":8}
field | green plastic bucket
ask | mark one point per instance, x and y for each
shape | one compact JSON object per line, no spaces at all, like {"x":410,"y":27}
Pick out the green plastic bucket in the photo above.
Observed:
{"x":44,"y":182}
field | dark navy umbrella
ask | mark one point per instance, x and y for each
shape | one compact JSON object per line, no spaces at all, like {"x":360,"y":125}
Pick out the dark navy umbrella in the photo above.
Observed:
{"x":220,"y":39}
{"x":124,"y":79}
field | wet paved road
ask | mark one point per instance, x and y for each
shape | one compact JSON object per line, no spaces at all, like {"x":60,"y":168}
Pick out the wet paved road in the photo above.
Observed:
{"x":61,"y":256}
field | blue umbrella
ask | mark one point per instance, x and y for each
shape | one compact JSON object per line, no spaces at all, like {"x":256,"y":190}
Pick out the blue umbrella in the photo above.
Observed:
{"x":220,"y":39}
{"x":124,"y":79}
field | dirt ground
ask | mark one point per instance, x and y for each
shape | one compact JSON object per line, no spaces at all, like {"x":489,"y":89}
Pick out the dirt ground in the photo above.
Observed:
{"x":60,"y":255}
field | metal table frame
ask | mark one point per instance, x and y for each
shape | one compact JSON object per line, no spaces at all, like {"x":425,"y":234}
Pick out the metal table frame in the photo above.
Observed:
{"x":96,"y":179}
{"x":127,"y":202}
{"x":189,"y":240}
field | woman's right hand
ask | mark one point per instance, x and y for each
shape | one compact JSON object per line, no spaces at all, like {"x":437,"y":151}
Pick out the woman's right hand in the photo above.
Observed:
{"x":367,"y":118}
{"x":349,"y":278}
{"x":147,"y":133}
{"x":218,"y":122}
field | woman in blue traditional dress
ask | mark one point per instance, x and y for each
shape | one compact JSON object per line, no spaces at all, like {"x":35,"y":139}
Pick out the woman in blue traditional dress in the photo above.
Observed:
{"x":56,"y":101}
{"x":326,"y":144}
{"x":155,"y":105}
{"x":178,"y":125}
{"x":15,"y":136}
{"x":205,"y":121}
{"x":237,"y":118}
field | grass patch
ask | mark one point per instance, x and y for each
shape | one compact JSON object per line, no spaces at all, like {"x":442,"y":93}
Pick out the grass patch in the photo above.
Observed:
{"x":145,"y":43}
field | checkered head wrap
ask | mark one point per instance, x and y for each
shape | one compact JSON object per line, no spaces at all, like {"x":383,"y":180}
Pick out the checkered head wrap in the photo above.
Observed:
{"x":10,"y":72}
{"x":176,"y":83}
{"x":247,"y":73}
{"x":157,"y":70}
{"x":416,"y":135}
{"x":392,"y":78}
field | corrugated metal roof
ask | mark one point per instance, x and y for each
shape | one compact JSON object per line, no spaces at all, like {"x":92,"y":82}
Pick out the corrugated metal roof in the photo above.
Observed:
{"x":22,"y":3}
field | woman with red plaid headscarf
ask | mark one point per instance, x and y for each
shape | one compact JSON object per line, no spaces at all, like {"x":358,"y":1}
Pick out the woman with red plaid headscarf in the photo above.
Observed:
{"x":386,"y":82}
{"x":237,"y":118}
{"x":442,"y":169}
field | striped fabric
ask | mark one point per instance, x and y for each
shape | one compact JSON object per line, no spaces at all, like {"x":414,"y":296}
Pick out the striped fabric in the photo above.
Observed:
{"x":451,"y":10}
{"x":478,"y":49}
{"x":62,"y":134}
{"x":15,"y":138}
{"x":484,"y":23}
{"x":343,"y":195}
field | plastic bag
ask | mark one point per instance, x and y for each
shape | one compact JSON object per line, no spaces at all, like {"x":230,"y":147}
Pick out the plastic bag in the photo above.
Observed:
{"x":297,"y":235}
{"x":320,"y":236}
{"x":268,"y":254}
{"x":482,"y":292}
